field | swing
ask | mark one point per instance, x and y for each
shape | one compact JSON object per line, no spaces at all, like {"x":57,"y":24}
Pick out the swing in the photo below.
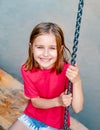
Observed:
{"x":75,"y":47}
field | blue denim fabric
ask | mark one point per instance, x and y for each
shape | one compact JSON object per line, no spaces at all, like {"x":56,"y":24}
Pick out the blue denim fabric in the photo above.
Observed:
{"x":33,"y":124}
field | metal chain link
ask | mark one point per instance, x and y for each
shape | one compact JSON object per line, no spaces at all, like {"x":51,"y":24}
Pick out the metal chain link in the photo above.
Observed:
{"x":75,"y":48}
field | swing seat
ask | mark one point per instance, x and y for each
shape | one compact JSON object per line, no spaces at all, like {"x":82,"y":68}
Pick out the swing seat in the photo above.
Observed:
{"x":12,"y":100}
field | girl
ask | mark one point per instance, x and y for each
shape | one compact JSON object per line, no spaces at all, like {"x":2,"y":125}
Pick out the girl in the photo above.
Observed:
{"x":45,"y":74}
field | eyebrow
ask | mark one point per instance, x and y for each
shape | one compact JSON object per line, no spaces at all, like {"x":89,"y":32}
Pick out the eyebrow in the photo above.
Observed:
{"x":43,"y":45}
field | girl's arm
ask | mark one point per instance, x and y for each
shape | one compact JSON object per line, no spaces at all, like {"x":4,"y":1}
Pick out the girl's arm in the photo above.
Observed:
{"x":78,"y":98}
{"x":44,"y":103}
{"x":63,"y":100}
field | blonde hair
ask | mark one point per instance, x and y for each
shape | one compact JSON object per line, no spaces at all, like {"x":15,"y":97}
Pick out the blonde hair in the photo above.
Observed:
{"x":41,"y":29}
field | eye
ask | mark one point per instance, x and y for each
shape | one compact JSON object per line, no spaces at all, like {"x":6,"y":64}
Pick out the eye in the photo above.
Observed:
{"x":39,"y":47}
{"x":53,"y":48}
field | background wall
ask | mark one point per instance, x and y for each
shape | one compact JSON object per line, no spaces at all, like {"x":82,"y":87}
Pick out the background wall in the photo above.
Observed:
{"x":17,"y":19}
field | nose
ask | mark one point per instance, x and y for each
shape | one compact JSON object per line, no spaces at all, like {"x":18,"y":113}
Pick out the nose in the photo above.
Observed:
{"x":46,"y":52}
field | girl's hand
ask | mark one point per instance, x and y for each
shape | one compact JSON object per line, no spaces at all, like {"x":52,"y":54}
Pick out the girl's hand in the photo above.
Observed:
{"x":73,"y":74}
{"x":64,"y":99}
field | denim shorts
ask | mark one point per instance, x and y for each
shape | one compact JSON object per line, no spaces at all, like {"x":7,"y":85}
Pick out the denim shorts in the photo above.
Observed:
{"x":33,"y":124}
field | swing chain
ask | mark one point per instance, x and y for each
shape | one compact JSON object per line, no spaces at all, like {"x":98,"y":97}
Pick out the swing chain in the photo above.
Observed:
{"x":77,"y":31}
{"x":73,"y":61}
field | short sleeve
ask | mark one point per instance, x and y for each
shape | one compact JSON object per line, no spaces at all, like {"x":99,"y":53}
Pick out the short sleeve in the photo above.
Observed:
{"x":30,"y":89}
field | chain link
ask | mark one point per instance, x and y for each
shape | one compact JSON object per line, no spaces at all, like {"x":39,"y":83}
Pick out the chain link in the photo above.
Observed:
{"x":75,"y":48}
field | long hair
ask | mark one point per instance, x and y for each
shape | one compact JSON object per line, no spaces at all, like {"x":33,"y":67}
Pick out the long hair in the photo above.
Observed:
{"x":46,"y":28}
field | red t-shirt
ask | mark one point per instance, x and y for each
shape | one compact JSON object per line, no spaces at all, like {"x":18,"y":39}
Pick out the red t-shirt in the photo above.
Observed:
{"x":45,"y":84}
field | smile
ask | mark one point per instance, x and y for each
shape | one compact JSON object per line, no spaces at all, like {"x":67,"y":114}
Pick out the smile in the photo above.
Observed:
{"x":45,"y":59}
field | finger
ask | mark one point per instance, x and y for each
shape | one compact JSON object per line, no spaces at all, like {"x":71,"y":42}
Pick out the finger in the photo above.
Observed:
{"x":69,"y":95}
{"x":65,"y":91}
{"x":70,"y":70}
{"x":73,"y":67}
{"x":76,"y":65}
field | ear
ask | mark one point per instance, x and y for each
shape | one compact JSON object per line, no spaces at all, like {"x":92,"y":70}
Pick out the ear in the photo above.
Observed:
{"x":30,"y":46}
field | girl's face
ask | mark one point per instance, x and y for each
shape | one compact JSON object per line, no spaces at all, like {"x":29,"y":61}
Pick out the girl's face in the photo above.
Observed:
{"x":45,"y":50}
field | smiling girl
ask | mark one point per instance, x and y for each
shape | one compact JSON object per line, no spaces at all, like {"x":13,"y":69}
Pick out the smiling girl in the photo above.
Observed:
{"x":45,"y":75}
